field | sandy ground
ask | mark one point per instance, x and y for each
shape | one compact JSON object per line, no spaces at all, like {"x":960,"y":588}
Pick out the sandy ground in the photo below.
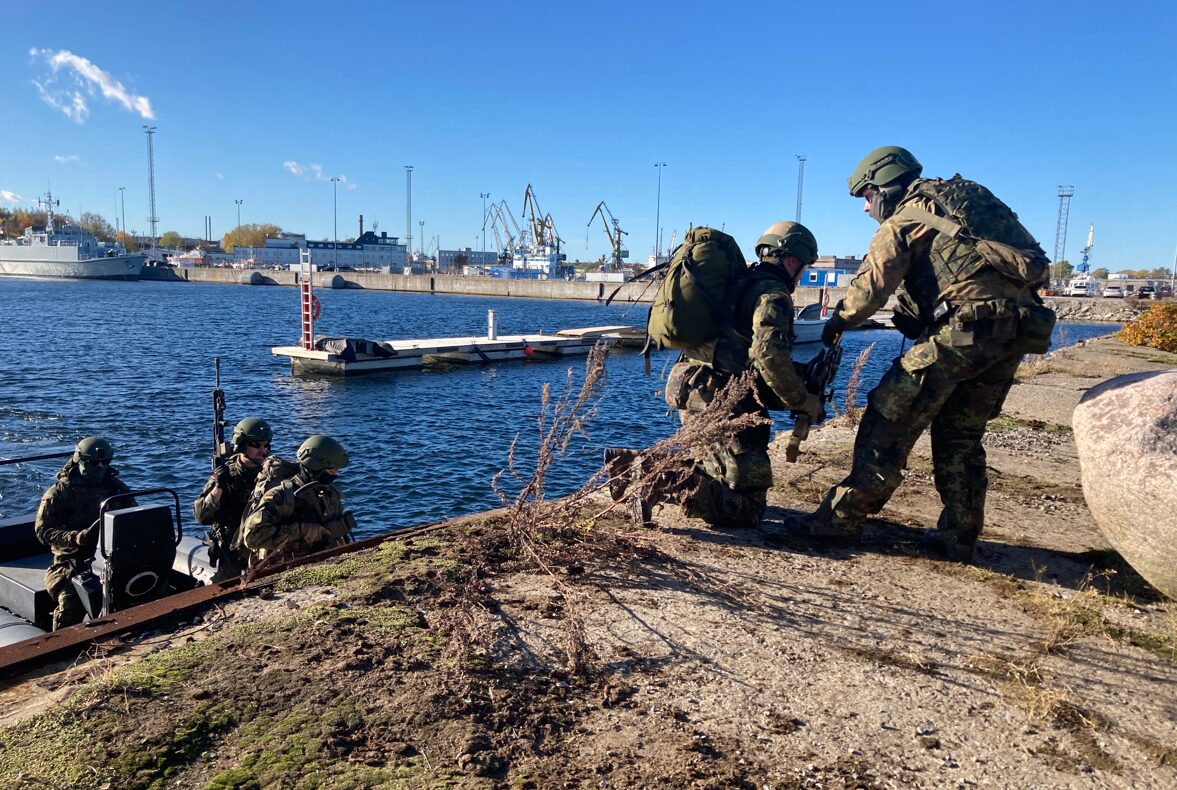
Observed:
{"x":714,"y":659}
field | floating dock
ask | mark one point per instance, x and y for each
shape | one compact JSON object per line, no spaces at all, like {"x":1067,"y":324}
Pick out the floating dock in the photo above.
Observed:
{"x":347,"y":356}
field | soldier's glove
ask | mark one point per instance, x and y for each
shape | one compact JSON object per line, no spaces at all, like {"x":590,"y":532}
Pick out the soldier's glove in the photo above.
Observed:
{"x":833,"y":329}
{"x":341,"y":527}
{"x":86,"y":537}
{"x":314,"y":534}
{"x":814,"y":407}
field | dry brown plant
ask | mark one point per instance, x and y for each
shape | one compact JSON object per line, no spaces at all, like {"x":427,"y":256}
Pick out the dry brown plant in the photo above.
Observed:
{"x":559,"y":537}
{"x":849,"y":403}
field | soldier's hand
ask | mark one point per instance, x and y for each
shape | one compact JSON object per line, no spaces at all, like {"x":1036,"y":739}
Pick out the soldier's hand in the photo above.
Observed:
{"x":314,"y":534}
{"x":86,"y":537}
{"x":833,"y":329}
{"x":814,"y":407}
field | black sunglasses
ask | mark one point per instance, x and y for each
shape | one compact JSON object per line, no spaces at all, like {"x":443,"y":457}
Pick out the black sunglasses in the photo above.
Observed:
{"x":258,"y":445}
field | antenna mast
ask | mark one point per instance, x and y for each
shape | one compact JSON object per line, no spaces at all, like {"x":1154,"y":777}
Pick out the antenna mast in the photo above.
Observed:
{"x":152,"y":220}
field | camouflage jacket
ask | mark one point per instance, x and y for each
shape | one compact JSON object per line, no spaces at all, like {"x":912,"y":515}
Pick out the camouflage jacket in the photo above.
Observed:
{"x":287,"y":515}
{"x":71,"y":505}
{"x":763,"y":313}
{"x":237,"y":481}
{"x":901,"y":254}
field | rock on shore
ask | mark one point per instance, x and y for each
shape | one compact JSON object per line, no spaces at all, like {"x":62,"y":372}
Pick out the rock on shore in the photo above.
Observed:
{"x":1126,"y":433}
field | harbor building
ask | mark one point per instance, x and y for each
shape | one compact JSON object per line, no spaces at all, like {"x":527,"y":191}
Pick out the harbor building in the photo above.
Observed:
{"x":831,"y":271}
{"x":369,"y":251}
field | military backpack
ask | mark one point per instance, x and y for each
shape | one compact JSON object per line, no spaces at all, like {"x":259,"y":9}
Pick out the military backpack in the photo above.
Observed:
{"x":977,"y":231}
{"x":694,"y":304}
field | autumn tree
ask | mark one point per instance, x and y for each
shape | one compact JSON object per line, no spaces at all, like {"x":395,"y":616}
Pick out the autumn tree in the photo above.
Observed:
{"x":1159,"y":273}
{"x":171,"y":240}
{"x":97,"y":224}
{"x":1100,"y":274}
{"x":125,"y":239}
{"x":1063,"y":269}
{"x":249,"y":236}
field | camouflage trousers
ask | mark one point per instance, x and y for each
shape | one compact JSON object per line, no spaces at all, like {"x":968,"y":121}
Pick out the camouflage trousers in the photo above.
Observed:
{"x":69,"y":610}
{"x":952,"y":386}
{"x":729,"y":485}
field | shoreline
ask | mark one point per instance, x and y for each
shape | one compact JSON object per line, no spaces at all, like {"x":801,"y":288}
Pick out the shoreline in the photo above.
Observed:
{"x":711,"y":658}
{"x":1087,"y":310}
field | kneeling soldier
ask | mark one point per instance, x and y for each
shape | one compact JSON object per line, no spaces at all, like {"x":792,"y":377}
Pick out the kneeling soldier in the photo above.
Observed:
{"x":303,"y":514}
{"x":222,"y":502}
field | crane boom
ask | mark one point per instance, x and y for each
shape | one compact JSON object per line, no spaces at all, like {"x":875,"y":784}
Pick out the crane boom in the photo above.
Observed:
{"x":614,"y":233}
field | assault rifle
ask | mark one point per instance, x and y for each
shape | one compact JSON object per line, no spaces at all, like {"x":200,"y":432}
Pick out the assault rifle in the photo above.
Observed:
{"x":819,"y":380}
{"x":220,"y":451}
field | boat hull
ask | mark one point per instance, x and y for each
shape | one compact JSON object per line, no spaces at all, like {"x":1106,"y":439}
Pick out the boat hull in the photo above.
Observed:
{"x":119,"y":267}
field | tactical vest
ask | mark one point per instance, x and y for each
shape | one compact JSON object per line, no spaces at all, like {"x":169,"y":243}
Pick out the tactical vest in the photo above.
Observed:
{"x":971,"y":212}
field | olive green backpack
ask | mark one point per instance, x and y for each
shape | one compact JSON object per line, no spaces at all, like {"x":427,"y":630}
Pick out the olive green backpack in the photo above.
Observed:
{"x":693,"y":304}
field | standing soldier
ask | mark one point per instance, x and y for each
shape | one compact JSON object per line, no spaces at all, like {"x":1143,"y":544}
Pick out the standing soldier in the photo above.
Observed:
{"x":969,"y":271}
{"x":728,"y":487}
{"x":67,"y":521}
{"x":304,"y":513}
{"x":222,"y":502}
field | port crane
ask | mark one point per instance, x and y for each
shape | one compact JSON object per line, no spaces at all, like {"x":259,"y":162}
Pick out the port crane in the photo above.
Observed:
{"x":540,"y":225}
{"x":614,"y":233}
{"x":1083,"y":266}
{"x":500,"y":216}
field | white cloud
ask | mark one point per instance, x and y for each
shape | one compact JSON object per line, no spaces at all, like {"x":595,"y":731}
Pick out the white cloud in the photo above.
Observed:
{"x":10,"y":197}
{"x":87,"y":80}
{"x":220,"y":176}
{"x":313,"y":172}
{"x":66,"y":160}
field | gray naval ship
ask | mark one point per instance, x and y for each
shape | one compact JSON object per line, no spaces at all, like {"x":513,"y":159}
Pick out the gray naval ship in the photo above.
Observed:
{"x":66,"y":251}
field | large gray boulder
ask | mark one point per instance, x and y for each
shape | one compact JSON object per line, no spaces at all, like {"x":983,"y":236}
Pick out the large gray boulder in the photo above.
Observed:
{"x":1126,"y":432}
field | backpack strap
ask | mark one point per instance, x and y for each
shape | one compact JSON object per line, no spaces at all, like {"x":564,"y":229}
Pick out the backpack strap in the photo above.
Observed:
{"x":934,"y":221}
{"x":636,"y":277}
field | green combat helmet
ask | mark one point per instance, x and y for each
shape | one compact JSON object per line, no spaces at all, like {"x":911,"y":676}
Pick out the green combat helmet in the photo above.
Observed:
{"x":320,"y":453}
{"x":92,"y":456}
{"x":790,"y":238}
{"x":251,"y":429}
{"x":882,"y":166}
{"x":94,"y":448}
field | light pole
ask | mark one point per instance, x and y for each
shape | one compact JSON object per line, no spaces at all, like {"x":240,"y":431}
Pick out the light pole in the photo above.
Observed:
{"x":409,"y":208}
{"x":335,"y":217}
{"x":123,"y":201}
{"x":238,"y":202}
{"x":658,"y":216}
{"x":484,"y":196}
{"x":800,"y":183}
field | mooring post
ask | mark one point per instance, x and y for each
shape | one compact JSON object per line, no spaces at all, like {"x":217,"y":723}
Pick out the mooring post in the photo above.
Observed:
{"x":492,"y":326}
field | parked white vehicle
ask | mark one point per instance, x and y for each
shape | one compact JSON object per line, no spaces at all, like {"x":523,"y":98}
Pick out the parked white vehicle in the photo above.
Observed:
{"x":1113,"y":292}
{"x":1081,"y":285}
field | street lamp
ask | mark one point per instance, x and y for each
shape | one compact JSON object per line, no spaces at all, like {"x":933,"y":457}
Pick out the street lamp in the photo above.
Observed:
{"x":409,"y":209}
{"x":335,"y":215}
{"x":484,"y":196}
{"x":238,"y":202}
{"x":658,"y":215}
{"x":123,"y":201}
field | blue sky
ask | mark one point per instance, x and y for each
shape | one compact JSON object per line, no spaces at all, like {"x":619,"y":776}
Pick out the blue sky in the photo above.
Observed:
{"x":580,"y":100}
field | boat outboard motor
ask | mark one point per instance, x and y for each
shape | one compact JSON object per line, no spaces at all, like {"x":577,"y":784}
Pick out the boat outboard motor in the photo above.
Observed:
{"x":136,"y":549}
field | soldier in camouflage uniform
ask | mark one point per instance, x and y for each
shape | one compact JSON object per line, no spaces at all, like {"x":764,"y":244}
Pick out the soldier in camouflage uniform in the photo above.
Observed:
{"x":728,"y":486}
{"x":67,"y":521}
{"x":222,"y":501}
{"x":971,"y":326}
{"x":303,"y":514}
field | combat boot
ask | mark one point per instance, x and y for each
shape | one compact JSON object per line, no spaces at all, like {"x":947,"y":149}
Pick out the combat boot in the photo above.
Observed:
{"x":822,"y":526}
{"x":619,"y":463}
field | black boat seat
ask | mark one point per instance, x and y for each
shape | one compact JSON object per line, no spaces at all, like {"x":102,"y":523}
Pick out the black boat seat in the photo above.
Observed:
{"x":22,"y":589}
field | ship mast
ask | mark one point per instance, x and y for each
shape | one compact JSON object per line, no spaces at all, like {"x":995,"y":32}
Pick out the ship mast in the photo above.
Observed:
{"x":48,"y":204}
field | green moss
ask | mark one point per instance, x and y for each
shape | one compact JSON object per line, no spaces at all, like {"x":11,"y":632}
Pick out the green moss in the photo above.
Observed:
{"x":52,"y":749}
{"x":165,"y":756}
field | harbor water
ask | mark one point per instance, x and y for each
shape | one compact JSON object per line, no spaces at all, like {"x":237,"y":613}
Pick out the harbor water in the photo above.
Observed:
{"x":133,"y":361}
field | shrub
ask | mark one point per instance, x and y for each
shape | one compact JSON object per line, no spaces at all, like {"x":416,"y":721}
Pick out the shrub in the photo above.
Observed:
{"x":1156,"y":327}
